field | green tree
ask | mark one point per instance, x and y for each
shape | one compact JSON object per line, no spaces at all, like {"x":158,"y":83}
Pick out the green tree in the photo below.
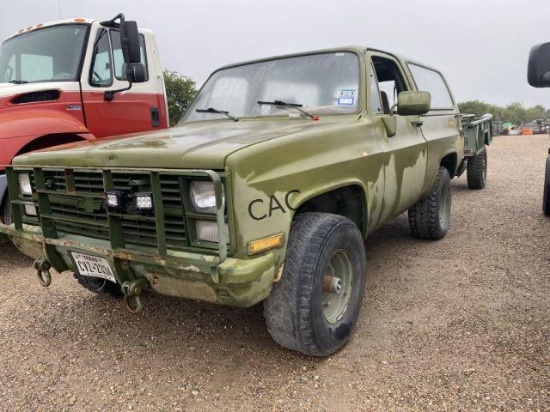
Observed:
{"x":180,"y":90}
{"x":514,"y":113}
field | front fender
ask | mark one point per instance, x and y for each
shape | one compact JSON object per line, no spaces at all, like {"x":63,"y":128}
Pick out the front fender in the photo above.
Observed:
{"x":37,"y":122}
{"x":20,"y":127}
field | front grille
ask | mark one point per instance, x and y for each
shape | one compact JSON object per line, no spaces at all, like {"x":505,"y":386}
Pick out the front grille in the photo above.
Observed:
{"x":77,"y":206}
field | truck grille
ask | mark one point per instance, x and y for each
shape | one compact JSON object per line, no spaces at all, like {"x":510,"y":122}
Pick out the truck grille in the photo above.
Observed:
{"x":77,"y":206}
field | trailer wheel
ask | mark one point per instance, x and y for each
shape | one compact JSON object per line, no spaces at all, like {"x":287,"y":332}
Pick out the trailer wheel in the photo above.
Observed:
{"x":314,"y":307}
{"x":477,"y":171}
{"x":430,"y":217}
{"x":99,"y":286}
{"x":546,"y":197}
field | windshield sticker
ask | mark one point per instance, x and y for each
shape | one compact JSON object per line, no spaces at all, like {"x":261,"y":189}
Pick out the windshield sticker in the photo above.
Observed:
{"x":346,"y":97}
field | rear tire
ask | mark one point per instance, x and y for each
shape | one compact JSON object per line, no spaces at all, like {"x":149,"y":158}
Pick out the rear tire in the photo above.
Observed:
{"x":99,"y":286}
{"x":305,"y":311}
{"x":430,"y":217}
{"x":546,"y":196}
{"x":477,"y":171}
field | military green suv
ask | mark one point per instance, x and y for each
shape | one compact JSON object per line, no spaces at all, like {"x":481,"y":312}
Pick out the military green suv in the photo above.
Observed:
{"x":265,"y":191}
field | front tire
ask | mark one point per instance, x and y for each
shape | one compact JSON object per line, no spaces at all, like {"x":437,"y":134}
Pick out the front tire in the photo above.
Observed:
{"x":546,"y":196}
{"x":6,"y":213}
{"x":430,"y":217}
{"x":314,"y":307}
{"x":477,"y":171}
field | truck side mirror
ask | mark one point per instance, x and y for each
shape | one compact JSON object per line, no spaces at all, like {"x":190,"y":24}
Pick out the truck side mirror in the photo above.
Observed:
{"x":135,"y":72}
{"x":413,"y":103}
{"x":538,"y":68}
{"x":129,"y":42}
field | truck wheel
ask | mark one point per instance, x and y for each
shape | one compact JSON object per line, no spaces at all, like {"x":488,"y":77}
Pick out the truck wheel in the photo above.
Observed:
{"x":429,"y":218}
{"x":314,"y":307}
{"x":477,"y":171}
{"x":6,"y":213}
{"x":99,"y":286}
{"x":546,"y":197}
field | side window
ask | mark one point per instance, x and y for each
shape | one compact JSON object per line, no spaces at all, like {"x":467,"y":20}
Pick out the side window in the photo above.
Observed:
{"x":375,"y":102}
{"x":390,"y":81}
{"x":101,"y":75}
{"x":120,"y":71}
{"x":431,"y":81}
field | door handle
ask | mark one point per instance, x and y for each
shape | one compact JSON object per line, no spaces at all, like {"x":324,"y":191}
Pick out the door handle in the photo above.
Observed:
{"x":155,"y":117}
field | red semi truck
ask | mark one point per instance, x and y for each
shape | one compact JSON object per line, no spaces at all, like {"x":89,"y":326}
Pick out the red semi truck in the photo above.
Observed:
{"x":74,"y":80}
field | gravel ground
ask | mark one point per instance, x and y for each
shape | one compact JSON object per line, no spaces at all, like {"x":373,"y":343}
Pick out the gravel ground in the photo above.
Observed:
{"x":461,"y":324}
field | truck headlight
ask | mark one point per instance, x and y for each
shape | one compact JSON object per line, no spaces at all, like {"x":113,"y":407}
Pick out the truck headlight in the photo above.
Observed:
{"x":203,"y":197}
{"x":25,"y":183}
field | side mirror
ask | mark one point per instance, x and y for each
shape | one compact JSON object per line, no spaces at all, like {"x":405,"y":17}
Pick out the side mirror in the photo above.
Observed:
{"x":129,"y":42}
{"x":134,"y":72}
{"x":538,"y":68}
{"x":413,"y":103}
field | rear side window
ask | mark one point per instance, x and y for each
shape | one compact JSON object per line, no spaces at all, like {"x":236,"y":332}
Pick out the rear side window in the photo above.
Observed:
{"x":431,"y":81}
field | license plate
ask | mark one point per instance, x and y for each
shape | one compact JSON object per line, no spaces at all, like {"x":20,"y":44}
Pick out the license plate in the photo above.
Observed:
{"x":93,"y":266}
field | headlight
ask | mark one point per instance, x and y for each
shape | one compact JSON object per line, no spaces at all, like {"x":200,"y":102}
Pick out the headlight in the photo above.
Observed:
{"x":25,"y":184}
{"x":203,"y":197}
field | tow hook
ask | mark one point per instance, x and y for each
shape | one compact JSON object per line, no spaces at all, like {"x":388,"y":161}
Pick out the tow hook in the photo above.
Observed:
{"x":132,"y":290}
{"x":42,"y":267}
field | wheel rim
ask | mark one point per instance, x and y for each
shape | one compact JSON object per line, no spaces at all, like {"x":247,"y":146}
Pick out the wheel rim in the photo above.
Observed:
{"x":444,"y":207}
{"x":337,"y":287}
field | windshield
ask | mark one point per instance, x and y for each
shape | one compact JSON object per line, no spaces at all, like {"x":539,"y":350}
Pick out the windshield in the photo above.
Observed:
{"x":318,"y":83}
{"x":52,"y":53}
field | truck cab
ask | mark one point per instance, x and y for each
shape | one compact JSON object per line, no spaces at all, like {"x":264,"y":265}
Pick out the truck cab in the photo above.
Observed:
{"x":67,"y":81}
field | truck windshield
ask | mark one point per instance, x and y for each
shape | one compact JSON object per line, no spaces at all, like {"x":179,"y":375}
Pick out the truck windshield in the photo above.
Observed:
{"x":48,"y":54}
{"x":319,"y":83}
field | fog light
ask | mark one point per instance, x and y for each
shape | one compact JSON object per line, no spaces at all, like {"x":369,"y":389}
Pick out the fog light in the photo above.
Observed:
{"x":144,"y":201}
{"x":115,"y":200}
{"x":30,"y":209}
{"x":208,"y":230}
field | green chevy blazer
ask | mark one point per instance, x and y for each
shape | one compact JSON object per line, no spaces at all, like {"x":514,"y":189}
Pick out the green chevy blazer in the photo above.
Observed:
{"x":265,"y":191}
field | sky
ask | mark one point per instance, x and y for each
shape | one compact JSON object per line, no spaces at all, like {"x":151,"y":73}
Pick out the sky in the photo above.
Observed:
{"x":481,"y":46}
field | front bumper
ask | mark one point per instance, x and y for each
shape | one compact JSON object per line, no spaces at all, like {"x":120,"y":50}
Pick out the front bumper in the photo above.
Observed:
{"x":233,"y":282}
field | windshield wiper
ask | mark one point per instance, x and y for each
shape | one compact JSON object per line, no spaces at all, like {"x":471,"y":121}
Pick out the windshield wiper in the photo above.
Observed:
{"x":280,"y":103}
{"x":212,"y":110}
{"x":18,"y":81}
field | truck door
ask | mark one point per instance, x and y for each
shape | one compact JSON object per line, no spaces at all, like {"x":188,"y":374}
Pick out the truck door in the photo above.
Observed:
{"x":138,"y":109}
{"x":405,"y":152}
{"x":442,"y":122}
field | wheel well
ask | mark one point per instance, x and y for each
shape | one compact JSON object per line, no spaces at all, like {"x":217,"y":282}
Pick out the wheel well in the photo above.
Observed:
{"x":348,"y":201}
{"x":449,"y":163}
{"x":50,"y":140}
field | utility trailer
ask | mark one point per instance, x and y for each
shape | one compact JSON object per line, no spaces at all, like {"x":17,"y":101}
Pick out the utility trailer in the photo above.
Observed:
{"x":477,"y":136}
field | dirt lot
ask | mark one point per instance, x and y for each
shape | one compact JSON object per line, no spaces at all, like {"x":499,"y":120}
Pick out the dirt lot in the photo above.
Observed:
{"x":458,"y":324}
